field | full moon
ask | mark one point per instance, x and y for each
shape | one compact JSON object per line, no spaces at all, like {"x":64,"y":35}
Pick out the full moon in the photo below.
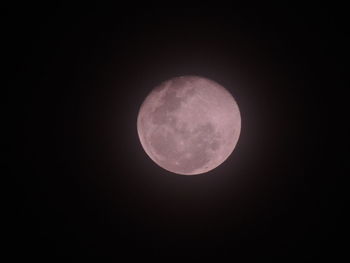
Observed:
{"x":189,"y":125}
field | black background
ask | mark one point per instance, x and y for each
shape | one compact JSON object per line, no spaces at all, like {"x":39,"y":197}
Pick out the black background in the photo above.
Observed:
{"x":84,"y":185}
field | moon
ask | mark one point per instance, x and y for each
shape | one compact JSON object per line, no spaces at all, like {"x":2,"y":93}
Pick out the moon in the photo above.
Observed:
{"x":189,"y":125}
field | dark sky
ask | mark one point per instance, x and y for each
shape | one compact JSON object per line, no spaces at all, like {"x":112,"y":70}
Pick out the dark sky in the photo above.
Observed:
{"x":84,"y":187}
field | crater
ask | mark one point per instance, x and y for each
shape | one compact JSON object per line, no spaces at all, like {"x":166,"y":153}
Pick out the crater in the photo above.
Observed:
{"x":196,"y":155}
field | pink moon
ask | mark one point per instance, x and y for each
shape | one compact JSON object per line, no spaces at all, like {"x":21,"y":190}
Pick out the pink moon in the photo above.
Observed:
{"x":189,"y":125}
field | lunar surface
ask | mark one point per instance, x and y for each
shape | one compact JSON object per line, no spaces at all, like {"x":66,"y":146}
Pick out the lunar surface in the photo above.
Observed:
{"x":189,"y":125}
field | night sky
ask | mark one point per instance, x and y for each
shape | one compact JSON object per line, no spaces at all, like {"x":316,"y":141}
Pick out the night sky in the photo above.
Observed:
{"x":84,"y":187}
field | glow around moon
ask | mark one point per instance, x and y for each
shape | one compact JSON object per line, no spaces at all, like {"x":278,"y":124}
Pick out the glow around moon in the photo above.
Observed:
{"x":189,"y":125}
